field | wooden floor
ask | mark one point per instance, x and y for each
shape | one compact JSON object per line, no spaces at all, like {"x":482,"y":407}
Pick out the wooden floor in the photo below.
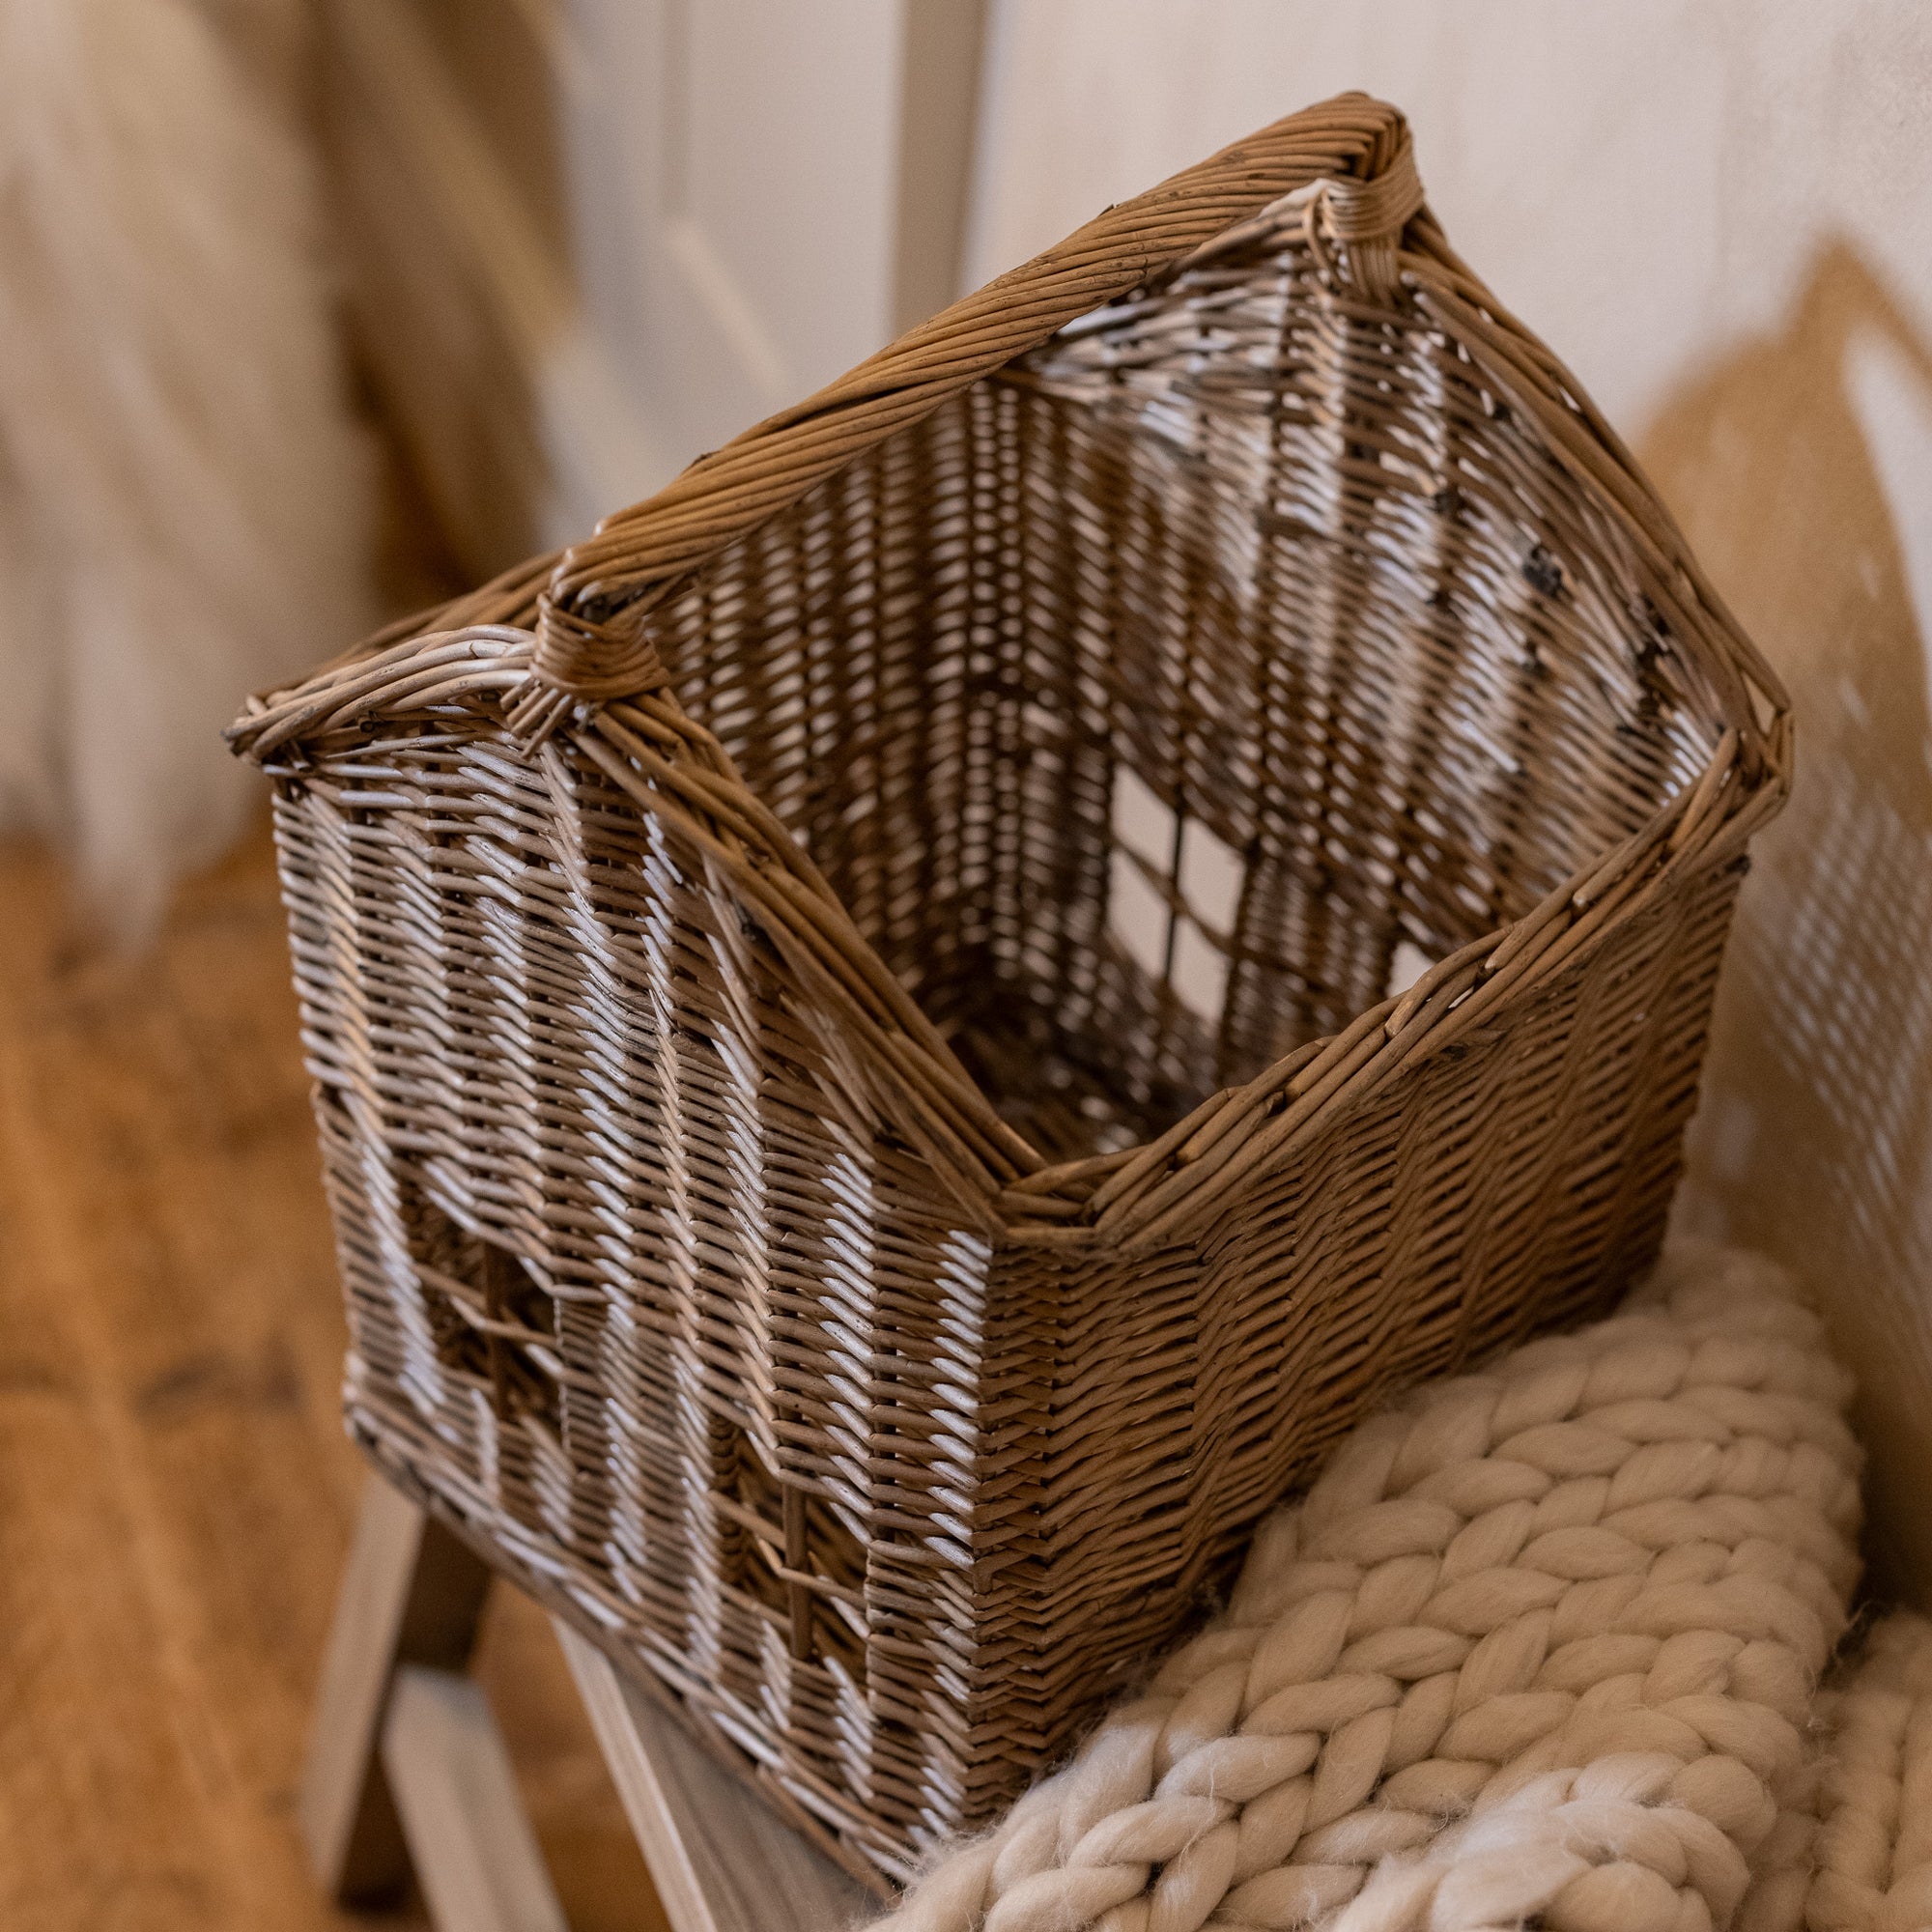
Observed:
{"x":174,"y":1490}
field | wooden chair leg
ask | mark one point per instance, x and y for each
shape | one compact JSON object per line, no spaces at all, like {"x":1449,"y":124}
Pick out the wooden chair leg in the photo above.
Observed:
{"x":720,"y":1857}
{"x":475,"y":1854}
{"x":406,"y":1766}
{"x":413,"y":1594}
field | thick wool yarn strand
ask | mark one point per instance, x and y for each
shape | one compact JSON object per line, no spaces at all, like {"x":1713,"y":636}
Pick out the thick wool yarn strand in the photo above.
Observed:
{"x":1576,"y":1603}
{"x":1874,"y":1844}
{"x":1854,"y":1851}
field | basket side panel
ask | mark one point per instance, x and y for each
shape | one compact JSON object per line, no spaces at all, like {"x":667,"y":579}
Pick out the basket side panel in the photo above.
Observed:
{"x":645,"y":1289}
{"x":1513,"y":1180}
{"x":1379,"y":675}
{"x":393,"y":1332}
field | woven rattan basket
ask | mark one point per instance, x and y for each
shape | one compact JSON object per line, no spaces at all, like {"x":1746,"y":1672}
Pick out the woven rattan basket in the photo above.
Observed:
{"x":851,"y":1011}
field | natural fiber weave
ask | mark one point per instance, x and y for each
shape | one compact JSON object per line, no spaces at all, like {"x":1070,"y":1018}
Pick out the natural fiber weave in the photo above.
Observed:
{"x":851,"y":1011}
{"x":1576,"y":1602}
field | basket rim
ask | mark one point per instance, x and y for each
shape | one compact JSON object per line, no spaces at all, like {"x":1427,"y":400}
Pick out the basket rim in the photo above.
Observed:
{"x":500,"y":643}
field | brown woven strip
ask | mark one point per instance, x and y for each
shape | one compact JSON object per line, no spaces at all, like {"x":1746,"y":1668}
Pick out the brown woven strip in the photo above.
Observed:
{"x":1367,"y":217}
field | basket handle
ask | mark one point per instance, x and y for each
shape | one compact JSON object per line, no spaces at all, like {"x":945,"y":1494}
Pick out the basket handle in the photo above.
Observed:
{"x":593,"y":641}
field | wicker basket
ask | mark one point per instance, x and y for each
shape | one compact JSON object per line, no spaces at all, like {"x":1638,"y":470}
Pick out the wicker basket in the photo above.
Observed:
{"x":858,"y":1180}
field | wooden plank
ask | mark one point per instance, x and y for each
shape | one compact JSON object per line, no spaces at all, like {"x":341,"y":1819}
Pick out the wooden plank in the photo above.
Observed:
{"x":410,"y":1594}
{"x":475,"y":1854}
{"x":722,"y":1858}
{"x":101,"y":1801}
{"x":594,"y":1858}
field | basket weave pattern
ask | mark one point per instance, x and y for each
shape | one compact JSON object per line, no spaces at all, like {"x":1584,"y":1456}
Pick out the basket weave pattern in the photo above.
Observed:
{"x":792,"y":1214}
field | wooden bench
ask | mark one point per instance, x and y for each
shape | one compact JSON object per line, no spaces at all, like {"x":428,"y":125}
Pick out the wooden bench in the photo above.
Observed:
{"x":407,"y":1769}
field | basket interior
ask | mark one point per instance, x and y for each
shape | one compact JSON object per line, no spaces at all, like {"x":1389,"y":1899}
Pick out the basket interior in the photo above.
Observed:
{"x":1163,"y":701}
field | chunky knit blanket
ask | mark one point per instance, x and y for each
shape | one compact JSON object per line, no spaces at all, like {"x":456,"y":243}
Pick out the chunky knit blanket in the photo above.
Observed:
{"x":1874,"y":1847}
{"x":1538,"y":1646}
{"x":1853,"y":1852}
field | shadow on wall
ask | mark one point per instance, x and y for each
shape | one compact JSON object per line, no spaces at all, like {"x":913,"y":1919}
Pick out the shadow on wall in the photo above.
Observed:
{"x":1815,"y":1137}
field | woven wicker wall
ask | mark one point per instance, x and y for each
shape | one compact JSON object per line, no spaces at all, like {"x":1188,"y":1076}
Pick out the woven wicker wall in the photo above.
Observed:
{"x":791,"y":1216}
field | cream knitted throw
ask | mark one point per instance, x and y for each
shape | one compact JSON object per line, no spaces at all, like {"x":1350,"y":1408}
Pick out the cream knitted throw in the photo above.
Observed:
{"x":1853,"y":1852}
{"x":1874,"y":1846}
{"x":1539,"y":1643}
